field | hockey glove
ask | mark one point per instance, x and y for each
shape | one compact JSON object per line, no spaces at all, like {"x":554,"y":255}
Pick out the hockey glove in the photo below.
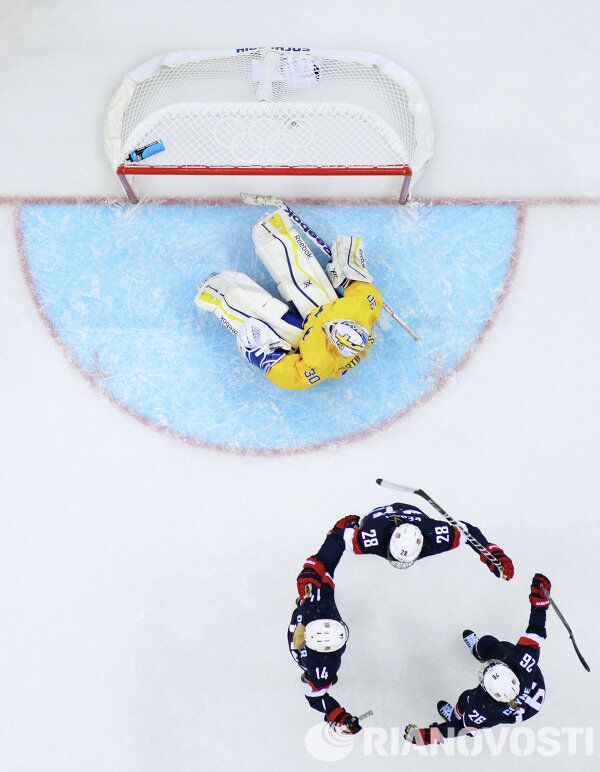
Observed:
{"x":350,"y":521}
{"x":537,"y":597}
{"x":505,"y":561}
{"x":347,"y":261}
{"x":430,"y":735}
{"x":340,"y":719}
{"x":313,"y":572}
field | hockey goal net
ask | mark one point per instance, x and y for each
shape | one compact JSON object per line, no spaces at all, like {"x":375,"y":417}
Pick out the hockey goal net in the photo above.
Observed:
{"x":269,"y":111}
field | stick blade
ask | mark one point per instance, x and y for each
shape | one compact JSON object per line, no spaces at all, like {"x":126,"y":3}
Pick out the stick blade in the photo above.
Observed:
{"x":568,"y":628}
{"x":585,"y":664}
{"x":257,"y":199}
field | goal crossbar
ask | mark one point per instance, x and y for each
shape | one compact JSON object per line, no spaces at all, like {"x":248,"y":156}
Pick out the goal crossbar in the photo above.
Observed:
{"x":401,"y":170}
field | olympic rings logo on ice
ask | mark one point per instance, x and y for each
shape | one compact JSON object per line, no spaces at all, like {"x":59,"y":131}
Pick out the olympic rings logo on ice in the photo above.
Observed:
{"x":325,"y":744}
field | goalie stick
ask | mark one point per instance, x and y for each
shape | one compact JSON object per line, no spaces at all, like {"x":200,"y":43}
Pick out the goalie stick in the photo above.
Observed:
{"x":566,"y":624}
{"x":471,"y":539}
{"x":256,"y":199}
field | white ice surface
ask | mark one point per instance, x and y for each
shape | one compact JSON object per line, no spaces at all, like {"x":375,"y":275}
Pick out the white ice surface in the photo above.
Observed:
{"x":145,"y":585}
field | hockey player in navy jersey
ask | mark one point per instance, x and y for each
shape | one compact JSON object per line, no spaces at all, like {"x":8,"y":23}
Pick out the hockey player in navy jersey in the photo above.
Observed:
{"x":317,"y":635}
{"x":511,"y":685}
{"x":402,"y":534}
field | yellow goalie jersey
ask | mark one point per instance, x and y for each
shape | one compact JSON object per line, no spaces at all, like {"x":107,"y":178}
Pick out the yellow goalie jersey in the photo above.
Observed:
{"x":317,"y":358}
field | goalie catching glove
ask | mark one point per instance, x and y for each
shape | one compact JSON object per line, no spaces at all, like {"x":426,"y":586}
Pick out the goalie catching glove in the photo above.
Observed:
{"x":347,"y":262}
{"x":260,"y":344}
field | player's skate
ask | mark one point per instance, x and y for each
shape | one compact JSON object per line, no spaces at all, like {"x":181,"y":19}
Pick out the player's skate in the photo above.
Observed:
{"x":445,"y":710}
{"x":286,"y":256}
{"x":470,"y":638}
{"x":234,"y":297}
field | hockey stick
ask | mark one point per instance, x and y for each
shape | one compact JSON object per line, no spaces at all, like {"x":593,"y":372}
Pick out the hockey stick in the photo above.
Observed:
{"x":256,"y":199}
{"x":471,"y":539}
{"x":566,"y":624}
{"x":402,"y":323}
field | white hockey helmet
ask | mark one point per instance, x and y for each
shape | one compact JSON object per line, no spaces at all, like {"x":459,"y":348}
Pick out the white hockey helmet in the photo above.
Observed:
{"x":499,"y":681}
{"x":325,"y":635}
{"x":350,"y":338}
{"x":405,"y":545}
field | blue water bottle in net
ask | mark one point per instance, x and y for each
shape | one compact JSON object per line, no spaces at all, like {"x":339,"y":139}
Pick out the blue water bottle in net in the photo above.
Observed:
{"x":145,"y":152}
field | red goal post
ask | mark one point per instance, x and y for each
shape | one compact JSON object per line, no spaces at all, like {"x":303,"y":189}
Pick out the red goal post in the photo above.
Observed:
{"x":270,"y":111}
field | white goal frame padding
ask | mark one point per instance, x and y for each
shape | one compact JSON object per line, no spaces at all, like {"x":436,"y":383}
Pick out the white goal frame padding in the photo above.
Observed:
{"x":383,"y":128}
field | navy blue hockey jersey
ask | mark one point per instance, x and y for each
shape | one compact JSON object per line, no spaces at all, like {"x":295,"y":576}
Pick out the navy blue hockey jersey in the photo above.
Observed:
{"x":320,"y":668}
{"x":375,"y":531}
{"x":475,"y":709}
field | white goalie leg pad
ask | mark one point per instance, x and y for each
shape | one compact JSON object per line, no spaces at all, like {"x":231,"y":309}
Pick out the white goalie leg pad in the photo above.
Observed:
{"x":286,"y":256}
{"x":234,"y":297}
{"x":348,"y":261}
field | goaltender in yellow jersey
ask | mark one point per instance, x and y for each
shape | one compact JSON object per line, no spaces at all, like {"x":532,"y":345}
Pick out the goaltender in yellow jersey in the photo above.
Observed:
{"x":321,"y":356}
{"x":315,"y":334}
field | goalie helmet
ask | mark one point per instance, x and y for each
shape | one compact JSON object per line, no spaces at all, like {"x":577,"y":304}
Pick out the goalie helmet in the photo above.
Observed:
{"x":499,"y":681}
{"x":325,"y":635}
{"x":350,"y":338}
{"x":405,"y":545}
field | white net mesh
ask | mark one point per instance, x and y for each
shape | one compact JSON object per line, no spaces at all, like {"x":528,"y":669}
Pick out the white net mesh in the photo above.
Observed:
{"x":271,"y":108}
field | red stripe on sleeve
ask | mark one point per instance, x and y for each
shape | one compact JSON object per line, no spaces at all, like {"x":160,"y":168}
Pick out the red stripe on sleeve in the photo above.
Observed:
{"x":336,"y":713}
{"x":316,"y":688}
{"x":525,"y":641}
{"x":456,"y":539}
{"x":355,"y":544}
{"x":328,"y":580}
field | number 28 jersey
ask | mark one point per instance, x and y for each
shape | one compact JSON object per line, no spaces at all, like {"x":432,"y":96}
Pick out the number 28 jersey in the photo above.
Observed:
{"x":375,"y":531}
